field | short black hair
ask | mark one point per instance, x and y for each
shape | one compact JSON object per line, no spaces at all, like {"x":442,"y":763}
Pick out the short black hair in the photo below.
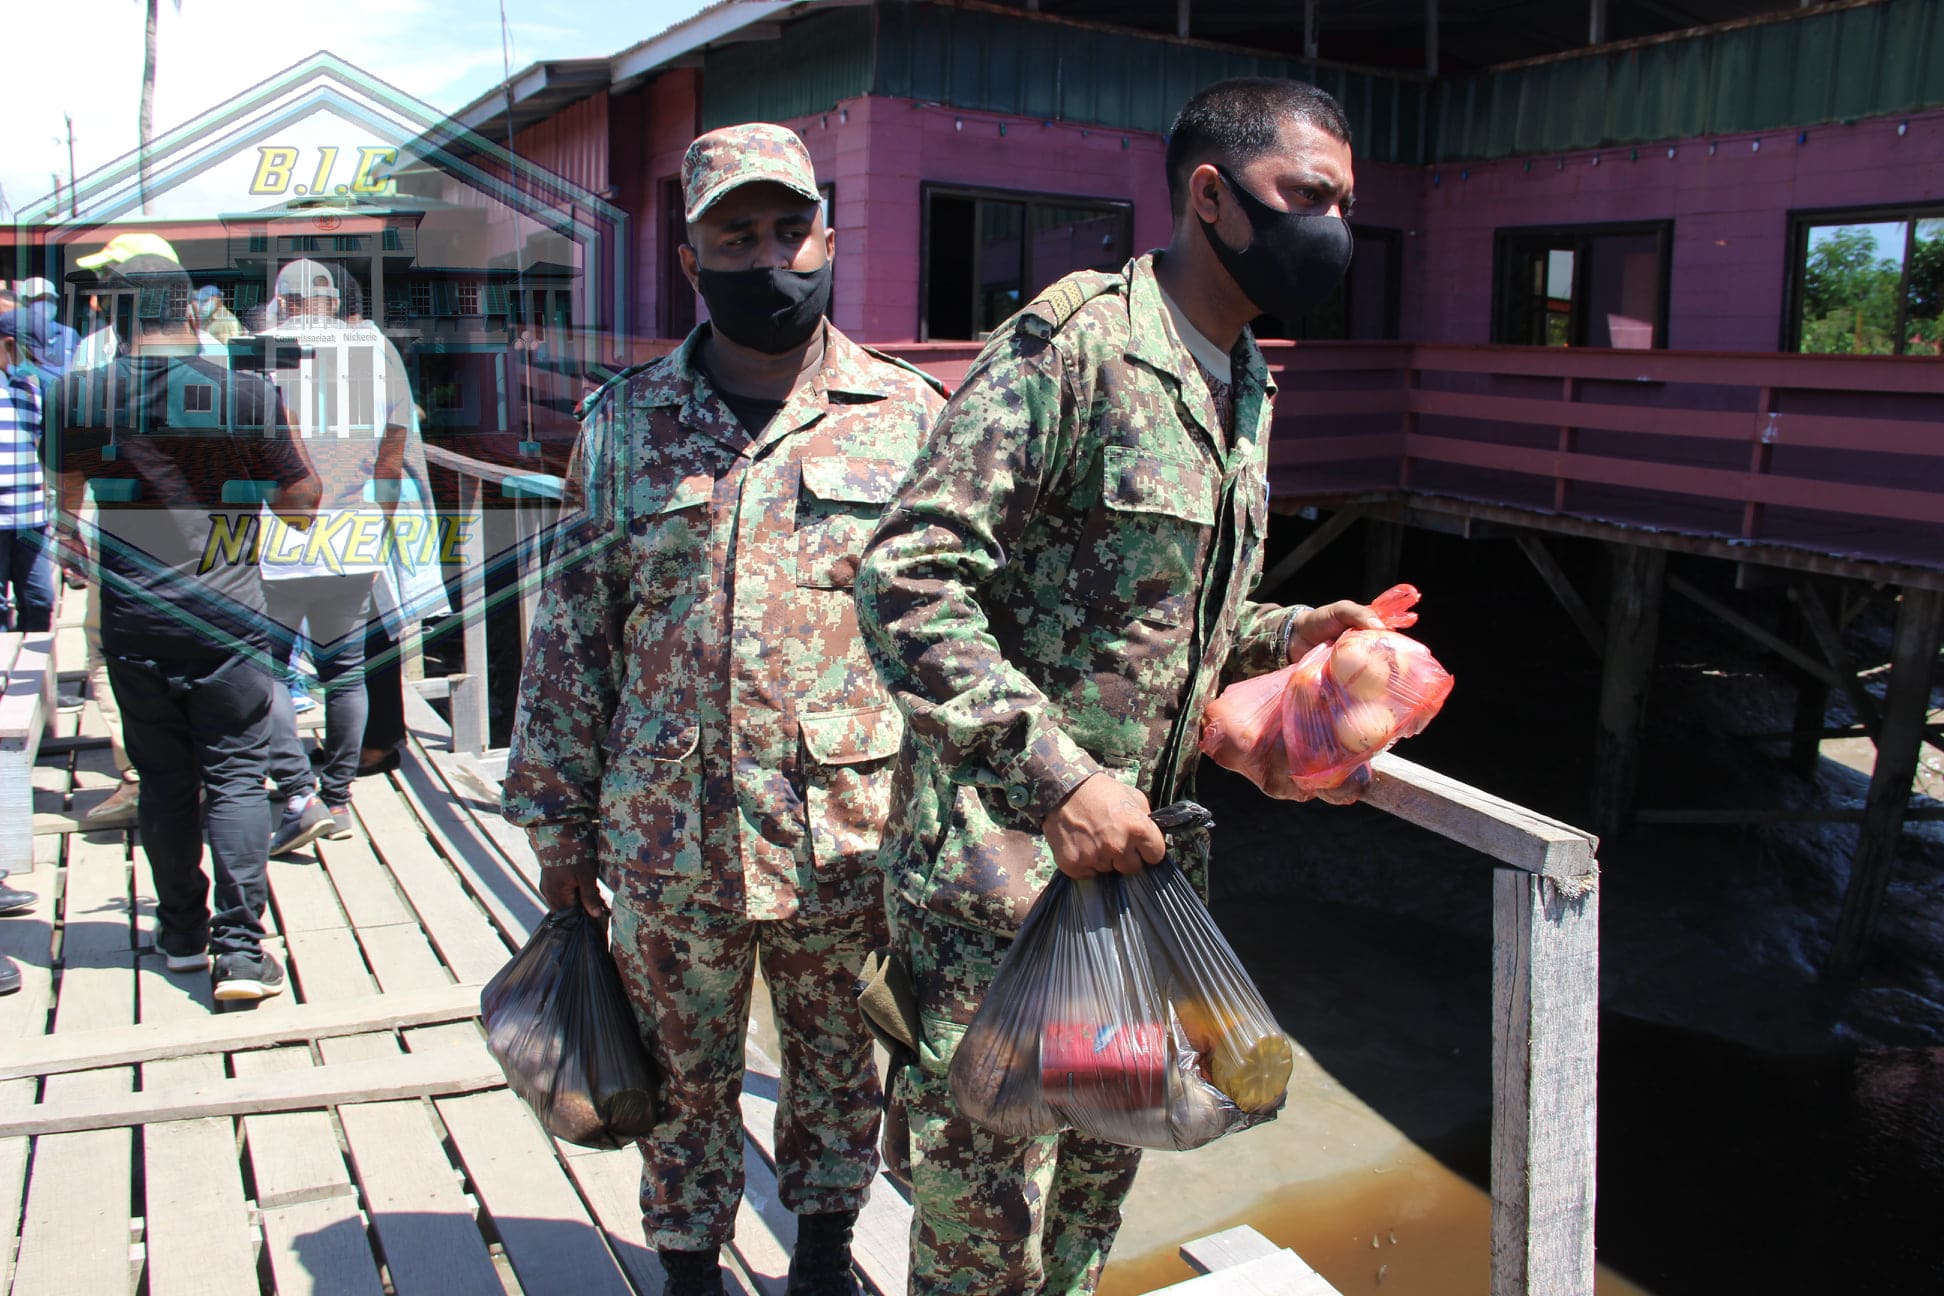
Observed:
{"x":1234,"y":122}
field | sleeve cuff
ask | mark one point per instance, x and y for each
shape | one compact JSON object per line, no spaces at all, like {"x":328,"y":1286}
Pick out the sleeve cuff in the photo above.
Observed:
{"x":1046,"y":773}
{"x":563,"y":845}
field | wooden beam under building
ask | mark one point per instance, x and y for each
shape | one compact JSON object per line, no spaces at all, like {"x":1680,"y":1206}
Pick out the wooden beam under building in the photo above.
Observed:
{"x":1431,"y":37}
{"x":1906,"y":707}
{"x":1633,"y":626}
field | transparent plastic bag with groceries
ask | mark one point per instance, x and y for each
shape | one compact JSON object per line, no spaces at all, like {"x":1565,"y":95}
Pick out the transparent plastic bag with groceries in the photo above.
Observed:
{"x":1311,"y":729}
{"x":1122,"y":1012}
{"x":559,"y":1024}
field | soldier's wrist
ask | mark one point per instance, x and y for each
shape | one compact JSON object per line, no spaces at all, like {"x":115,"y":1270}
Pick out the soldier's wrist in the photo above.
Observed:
{"x":1294,"y":645}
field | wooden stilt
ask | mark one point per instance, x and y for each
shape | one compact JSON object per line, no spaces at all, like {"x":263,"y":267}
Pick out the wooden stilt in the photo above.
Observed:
{"x":1383,"y":555}
{"x":1633,"y":625}
{"x":1812,"y":705}
{"x":1905,"y":705}
{"x":1562,"y":589}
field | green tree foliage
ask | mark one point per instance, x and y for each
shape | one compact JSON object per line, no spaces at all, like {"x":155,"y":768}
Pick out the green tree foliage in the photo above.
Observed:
{"x":1849,"y":296}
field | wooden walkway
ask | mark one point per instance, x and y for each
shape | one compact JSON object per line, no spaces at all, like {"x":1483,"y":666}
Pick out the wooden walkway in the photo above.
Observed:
{"x":352,"y":1137}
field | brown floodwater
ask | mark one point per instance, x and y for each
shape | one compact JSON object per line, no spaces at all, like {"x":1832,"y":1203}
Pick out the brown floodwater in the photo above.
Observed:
{"x":1408,"y":1228}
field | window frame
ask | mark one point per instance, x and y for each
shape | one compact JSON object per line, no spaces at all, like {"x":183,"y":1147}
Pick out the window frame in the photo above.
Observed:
{"x":927,"y":189}
{"x":1579,"y":234}
{"x":1794,"y":277}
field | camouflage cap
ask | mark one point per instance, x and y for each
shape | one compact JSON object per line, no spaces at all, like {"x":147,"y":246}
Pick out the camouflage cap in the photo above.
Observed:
{"x":738,"y":155}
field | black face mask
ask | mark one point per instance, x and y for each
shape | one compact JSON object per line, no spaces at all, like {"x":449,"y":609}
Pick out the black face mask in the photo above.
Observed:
{"x":1293,"y":262}
{"x":766,"y":310}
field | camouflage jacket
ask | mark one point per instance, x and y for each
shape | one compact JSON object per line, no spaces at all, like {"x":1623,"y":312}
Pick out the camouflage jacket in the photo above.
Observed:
{"x":1061,"y":585}
{"x":695,"y":704}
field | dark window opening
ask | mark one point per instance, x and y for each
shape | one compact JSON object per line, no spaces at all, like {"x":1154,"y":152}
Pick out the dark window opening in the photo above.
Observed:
{"x":1867,"y":282}
{"x":1583,"y":286}
{"x":989,"y":252}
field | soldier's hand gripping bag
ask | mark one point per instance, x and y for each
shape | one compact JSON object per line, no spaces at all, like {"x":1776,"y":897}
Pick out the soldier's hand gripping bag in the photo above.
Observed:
{"x":1122,"y":1012}
{"x":559,"y":1024}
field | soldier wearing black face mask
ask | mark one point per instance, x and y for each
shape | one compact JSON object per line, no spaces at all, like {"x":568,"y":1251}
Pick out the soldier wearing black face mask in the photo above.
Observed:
{"x":698,"y":723}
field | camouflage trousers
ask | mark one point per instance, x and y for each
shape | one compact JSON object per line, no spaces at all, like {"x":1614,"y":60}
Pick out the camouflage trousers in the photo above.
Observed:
{"x":990,"y":1214}
{"x":688,"y":969}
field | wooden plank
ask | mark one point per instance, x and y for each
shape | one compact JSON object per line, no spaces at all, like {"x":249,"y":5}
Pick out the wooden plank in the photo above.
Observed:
{"x":25,"y":704}
{"x":85,"y":1050}
{"x":1545,"y":1054}
{"x":506,"y":888}
{"x":1509,"y":833}
{"x":470,"y":722}
{"x":403,"y":960}
{"x":1561,"y":585}
{"x":1816,"y":617}
{"x":199,"y":1238}
{"x":610,"y":1183}
{"x":1906,"y":706}
{"x":326,"y":965}
{"x":424,"y":1224}
{"x":75,"y":1234}
{"x":313,"y":1233}
{"x":1227,"y":1249}
{"x":549,"y":1239}
{"x":26,"y":938}
{"x":1761,"y":634}
{"x":366,"y":890}
{"x":1281,"y":1273}
{"x":447,"y":1071}
{"x":303,"y":895}
{"x":465,"y":940}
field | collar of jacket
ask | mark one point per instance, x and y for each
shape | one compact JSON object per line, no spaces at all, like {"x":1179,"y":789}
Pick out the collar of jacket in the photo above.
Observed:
{"x":1152,"y":341}
{"x":847,"y":373}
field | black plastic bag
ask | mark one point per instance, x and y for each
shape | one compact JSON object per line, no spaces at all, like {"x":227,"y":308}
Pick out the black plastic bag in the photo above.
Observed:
{"x":1122,"y":1012}
{"x":559,"y":1024}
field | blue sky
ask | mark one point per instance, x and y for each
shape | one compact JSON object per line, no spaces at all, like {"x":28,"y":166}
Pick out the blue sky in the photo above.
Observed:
{"x":84,"y":58}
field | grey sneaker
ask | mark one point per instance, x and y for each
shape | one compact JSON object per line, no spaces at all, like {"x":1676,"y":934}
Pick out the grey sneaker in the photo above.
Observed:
{"x":247,"y":976}
{"x":13,"y":900}
{"x":303,"y":823}
{"x":341,"y":829}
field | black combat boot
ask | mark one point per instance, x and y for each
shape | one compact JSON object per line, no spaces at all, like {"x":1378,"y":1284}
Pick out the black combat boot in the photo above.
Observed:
{"x":821,"y":1263}
{"x":692,"y":1273}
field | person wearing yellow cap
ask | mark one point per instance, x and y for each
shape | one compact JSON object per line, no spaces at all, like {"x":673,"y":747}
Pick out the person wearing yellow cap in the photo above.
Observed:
{"x":698,"y":724}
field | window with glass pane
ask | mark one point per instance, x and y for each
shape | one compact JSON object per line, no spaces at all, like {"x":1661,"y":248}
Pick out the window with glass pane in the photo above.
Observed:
{"x":421,"y":297}
{"x":1585,"y":286}
{"x":1869,"y":283}
{"x":469,"y":299}
{"x":987,"y":253}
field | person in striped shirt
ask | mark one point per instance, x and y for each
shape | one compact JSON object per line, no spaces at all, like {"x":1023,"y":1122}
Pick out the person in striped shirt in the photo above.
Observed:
{"x":26,"y":558}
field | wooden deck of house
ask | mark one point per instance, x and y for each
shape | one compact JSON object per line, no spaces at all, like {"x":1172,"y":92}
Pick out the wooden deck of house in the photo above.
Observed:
{"x":352,"y":1136}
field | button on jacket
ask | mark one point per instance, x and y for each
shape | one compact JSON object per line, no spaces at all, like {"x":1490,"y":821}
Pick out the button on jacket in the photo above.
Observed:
{"x":696,"y":704}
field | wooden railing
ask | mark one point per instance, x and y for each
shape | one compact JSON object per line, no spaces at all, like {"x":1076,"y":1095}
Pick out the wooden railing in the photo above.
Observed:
{"x":1836,"y":455}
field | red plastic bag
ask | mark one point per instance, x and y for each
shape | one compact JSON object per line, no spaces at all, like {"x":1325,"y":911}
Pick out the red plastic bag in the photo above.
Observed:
{"x":1333,"y":710}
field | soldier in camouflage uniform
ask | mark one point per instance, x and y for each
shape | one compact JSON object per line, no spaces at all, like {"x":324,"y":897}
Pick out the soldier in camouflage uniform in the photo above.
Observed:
{"x":698,"y":718}
{"x":1058,"y":591}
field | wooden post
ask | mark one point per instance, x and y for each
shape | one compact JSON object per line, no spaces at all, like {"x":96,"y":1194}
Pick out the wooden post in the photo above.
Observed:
{"x":1596,"y":22}
{"x":1181,"y":18}
{"x":1633,"y":624}
{"x":1906,"y":703}
{"x":1309,"y":29}
{"x":1431,"y":37}
{"x":1383,"y":555}
{"x":1811,"y":708}
{"x":470,"y":723}
{"x":1545,"y":1050}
